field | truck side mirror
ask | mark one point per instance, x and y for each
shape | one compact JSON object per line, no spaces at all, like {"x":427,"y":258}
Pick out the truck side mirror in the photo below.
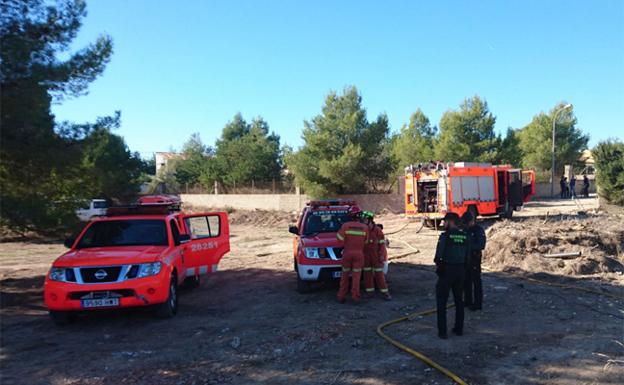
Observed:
{"x":69,"y":242}
{"x":184,"y":238}
{"x":293,"y":230}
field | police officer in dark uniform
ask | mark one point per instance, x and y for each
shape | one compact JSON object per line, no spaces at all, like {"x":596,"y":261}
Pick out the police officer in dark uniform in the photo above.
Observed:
{"x":451,"y":256}
{"x":473,"y":289}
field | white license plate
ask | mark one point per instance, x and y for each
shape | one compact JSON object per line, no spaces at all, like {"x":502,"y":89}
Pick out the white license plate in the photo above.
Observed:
{"x":336,"y":274}
{"x":104,"y":302}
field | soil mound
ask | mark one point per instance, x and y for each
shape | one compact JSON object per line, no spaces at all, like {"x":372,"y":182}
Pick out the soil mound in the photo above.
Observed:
{"x":258,"y":218}
{"x":525,"y":244}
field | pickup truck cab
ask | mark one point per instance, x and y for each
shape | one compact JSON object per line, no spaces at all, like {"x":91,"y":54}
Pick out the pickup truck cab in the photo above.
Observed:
{"x":92,"y":208}
{"x":317,"y":253}
{"x":135,"y":256}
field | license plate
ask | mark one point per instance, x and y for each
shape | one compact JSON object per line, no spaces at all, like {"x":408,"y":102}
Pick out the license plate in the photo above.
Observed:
{"x":104,"y":302}
{"x":336,"y":274}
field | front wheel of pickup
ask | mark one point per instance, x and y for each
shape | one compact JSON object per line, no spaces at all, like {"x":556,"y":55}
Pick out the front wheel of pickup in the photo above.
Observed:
{"x":169,"y":308}
{"x":62,"y":318}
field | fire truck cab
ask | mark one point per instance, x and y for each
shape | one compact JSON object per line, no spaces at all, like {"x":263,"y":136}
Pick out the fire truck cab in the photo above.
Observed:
{"x":317,"y":254}
{"x":434,"y":189}
{"x":135,"y":256}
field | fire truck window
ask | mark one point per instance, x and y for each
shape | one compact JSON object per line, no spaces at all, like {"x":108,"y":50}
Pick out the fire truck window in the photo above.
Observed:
{"x":204,"y":227}
{"x":139,"y":232}
{"x":175,"y":232}
{"x":325,"y":221}
{"x":214,"y":223}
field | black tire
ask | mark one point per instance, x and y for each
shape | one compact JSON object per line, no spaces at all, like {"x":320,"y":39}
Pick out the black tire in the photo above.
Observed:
{"x":507,"y":213}
{"x":169,"y":308}
{"x":432,"y":223}
{"x":472,"y":209}
{"x":62,"y":318}
{"x":303,"y":287}
{"x":192,"y":282}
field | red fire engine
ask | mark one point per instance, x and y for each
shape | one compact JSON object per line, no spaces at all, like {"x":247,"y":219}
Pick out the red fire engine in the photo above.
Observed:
{"x":434,"y":189}
{"x":135,"y":256}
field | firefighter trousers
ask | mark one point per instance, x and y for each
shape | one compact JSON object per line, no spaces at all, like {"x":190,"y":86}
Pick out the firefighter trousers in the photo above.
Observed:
{"x":373,"y":275}
{"x":351,"y":264}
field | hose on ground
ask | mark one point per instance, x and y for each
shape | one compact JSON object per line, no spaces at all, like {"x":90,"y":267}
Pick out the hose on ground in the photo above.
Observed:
{"x":439,"y":367}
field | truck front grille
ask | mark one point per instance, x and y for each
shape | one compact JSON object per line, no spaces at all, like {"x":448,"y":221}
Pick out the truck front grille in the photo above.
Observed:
{"x":100,"y":274}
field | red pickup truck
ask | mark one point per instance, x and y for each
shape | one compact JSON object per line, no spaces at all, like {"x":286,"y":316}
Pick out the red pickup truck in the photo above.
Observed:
{"x":317,"y":253}
{"x":135,"y":256}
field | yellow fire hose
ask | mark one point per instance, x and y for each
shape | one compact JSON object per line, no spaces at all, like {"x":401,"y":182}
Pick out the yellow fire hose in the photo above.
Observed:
{"x":439,"y":367}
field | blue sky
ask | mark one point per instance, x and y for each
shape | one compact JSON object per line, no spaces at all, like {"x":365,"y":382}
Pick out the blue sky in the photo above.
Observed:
{"x":188,"y":66}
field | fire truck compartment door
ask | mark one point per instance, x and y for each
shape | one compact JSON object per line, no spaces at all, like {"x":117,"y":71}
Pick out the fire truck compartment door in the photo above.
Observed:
{"x":515,"y":188}
{"x":210,"y":240}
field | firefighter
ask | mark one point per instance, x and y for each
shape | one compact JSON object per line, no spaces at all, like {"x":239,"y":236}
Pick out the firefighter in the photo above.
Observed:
{"x":375,"y":255}
{"x":473,"y":288}
{"x":451,"y":255}
{"x":353,"y":235}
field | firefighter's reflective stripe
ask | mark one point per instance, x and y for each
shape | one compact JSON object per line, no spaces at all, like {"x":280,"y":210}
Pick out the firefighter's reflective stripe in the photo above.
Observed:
{"x":346,"y":269}
{"x":368,"y":269}
{"x":377,"y":270}
{"x":357,"y":270}
{"x":340,"y":237}
{"x":383,"y":290}
{"x":355,"y":232}
{"x":382,"y":241}
{"x":368,"y":290}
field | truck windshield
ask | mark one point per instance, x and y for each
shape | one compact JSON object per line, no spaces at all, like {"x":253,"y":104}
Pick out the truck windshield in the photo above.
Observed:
{"x":136,"y":232}
{"x":326,"y":221}
{"x":100,"y":204}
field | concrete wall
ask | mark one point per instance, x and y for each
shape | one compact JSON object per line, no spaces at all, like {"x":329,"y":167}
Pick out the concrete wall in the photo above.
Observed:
{"x":294,"y":202}
{"x":283,"y":202}
{"x":288,"y":202}
{"x":542,"y":190}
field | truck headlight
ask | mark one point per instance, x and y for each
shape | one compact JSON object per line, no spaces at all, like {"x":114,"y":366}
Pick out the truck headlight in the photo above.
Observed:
{"x":149,"y":269}
{"x":57,"y":274}
{"x":312,"y":252}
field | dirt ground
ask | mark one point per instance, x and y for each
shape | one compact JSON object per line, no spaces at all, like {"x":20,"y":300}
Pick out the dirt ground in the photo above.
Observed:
{"x":246,"y":324}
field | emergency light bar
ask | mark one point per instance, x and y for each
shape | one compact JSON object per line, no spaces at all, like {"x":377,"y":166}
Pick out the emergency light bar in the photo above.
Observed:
{"x":331,"y":202}
{"x":150,"y":204}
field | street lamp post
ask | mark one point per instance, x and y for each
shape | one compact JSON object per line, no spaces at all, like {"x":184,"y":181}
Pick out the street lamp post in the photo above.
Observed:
{"x":552,"y":165}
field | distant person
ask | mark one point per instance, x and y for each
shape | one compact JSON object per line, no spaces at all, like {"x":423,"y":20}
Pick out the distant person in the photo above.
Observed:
{"x":473,"y":288}
{"x":563,"y":184}
{"x":451,"y":255}
{"x":585,"y":186}
{"x":573,"y":188}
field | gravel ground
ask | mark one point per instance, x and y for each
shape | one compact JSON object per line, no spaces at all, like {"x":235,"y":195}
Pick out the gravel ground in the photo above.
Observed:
{"x":247,"y":324}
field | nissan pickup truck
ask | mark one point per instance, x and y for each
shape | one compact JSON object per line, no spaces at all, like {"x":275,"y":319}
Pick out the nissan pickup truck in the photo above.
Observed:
{"x":317,"y":253}
{"x":135,"y":256}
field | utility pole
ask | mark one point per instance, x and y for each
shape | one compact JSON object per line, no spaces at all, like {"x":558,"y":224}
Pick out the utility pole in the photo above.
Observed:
{"x":552,"y":165}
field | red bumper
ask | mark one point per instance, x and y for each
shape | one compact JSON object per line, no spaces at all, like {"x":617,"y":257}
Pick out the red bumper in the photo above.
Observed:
{"x":65,"y":296}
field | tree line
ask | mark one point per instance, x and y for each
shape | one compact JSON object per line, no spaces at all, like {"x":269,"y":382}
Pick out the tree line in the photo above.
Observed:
{"x":344,"y":152}
{"x":47,"y":167}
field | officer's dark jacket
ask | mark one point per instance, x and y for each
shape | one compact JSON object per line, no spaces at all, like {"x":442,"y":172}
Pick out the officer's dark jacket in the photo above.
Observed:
{"x":453,"y":247}
{"x":477,"y":238}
